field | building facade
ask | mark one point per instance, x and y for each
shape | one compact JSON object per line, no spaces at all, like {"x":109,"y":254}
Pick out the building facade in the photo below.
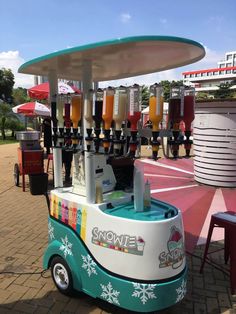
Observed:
{"x":210,"y":79}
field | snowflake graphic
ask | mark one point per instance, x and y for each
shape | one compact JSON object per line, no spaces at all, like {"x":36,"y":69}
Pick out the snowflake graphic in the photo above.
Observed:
{"x":144,"y":292}
{"x":109,"y":294}
{"x":66,"y":246}
{"x":89,"y":265}
{"x":181,"y":291}
{"x":51,"y":231}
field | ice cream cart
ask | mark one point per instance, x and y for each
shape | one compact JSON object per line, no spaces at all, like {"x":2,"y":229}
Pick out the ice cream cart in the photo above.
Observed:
{"x":30,"y":156}
{"x":105,"y":241}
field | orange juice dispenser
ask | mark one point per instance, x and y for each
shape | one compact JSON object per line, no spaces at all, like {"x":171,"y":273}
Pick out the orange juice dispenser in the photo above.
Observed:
{"x":155,"y":115}
{"x":107,"y":115}
{"x":88,"y":115}
{"x":189,"y":102}
{"x":76,"y":104}
{"x":119,"y":116}
{"x":97,"y":116}
{"x":175,"y":116}
{"x":60,"y":119}
{"x":134,"y":115}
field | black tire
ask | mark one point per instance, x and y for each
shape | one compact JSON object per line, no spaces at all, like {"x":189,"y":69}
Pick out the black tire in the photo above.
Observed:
{"x":61,"y":275}
{"x":16,"y":174}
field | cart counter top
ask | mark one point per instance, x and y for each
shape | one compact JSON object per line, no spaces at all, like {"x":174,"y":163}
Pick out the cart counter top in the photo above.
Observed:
{"x":119,"y":204}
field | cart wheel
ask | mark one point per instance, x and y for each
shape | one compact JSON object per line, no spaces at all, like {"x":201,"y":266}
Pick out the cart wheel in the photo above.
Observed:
{"x":16,"y":174}
{"x":61,"y":275}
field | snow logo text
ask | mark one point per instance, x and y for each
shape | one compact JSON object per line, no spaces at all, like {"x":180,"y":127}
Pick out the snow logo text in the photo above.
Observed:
{"x":123,"y":243}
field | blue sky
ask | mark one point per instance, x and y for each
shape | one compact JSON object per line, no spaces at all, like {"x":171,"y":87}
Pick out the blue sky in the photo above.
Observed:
{"x":29,"y":29}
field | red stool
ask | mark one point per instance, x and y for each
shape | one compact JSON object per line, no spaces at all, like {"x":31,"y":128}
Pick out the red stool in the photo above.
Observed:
{"x":226,"y":220}
{"x":50,"y":158}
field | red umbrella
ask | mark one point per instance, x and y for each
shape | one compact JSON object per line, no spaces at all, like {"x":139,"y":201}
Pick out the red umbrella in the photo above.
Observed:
{"x":32,"y":109}
{"x":41,"y":91}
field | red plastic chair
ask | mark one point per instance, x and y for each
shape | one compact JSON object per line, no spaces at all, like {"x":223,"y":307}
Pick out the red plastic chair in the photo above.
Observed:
{"x":226,"y":220}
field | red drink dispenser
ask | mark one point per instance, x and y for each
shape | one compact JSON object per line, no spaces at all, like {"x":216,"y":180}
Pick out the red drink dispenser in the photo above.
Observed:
{"x":188,"y":117}
{"x":176,"y":111}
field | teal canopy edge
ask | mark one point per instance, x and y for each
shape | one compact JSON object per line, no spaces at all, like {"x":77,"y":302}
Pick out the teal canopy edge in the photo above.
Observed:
{"x":110,"y":42}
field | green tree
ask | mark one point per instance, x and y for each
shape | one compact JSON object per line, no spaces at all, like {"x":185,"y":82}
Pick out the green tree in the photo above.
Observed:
{"x":224,"y":91}
{"x":20,"y":96}
{"x":166,"y":85}
{"x":6,"y":85}
{"x":6,"y":115}
{"x":202,"y":95}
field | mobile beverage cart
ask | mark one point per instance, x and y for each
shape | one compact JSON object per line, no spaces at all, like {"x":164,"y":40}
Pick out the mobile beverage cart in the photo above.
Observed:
{"x":117,"y":244}
{"x":30,"y":156}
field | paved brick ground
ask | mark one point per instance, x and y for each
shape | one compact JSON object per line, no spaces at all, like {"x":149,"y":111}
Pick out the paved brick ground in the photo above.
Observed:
{"x":23,"y":238}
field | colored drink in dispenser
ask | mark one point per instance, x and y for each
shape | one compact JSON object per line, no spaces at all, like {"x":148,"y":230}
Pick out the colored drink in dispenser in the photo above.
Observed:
{"x":97,"y":108}
{"x":120,"y":106}
{"x":134,"y":115}
{"x":88,"y":109}
{"x":76,"y":104}
{"x":189,"y":100}
{"x":107,"y":109}
{"x":67,"y":114}
{"x":134,"y":106}
{"x":175,"y":107}
{"x":156,"y":106}
{"x":97,"y":116}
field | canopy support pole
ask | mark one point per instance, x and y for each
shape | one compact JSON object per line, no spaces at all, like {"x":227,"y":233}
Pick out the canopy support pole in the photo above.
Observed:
{"x":89,"y":156}
{"x":57,"y":151}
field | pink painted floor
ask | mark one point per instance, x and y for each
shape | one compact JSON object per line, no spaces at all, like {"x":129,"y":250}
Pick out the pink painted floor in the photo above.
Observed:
{"x":172,"y":181}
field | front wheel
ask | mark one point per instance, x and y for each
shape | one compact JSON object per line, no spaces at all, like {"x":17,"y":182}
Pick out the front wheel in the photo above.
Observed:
{"x":16,"y":174}
{"x":61,"y":275}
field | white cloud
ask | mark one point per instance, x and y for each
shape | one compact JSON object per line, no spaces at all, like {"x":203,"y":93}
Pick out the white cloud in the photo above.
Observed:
{"x":125,"y":17}
{"x":12,"y":60}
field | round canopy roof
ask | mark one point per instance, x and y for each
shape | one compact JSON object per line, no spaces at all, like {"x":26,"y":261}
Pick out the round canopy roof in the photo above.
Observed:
{"x":119,"y":58}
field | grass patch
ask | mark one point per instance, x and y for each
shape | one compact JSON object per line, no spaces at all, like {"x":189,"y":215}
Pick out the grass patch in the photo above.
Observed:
{"x":8,"y":140}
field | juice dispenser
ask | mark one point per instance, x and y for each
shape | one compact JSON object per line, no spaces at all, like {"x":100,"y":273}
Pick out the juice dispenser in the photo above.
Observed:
{"x":76,"y":103}
{"x":189,"y":101}
{"x":88,"y":115}
{"x":134,"y":115}
{"x":155,"y":115}
{"x":97,"y":116}
{"x":119,"y":115}
{"x":175,"y":116}
{"x":107,"y":115}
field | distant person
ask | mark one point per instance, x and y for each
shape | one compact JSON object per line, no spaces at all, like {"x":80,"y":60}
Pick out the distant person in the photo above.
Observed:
{"x":47,"y":135}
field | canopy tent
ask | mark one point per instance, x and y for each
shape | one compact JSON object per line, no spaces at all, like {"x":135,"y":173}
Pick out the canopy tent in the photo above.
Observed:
{"x":41,"y":91}
{"x":32,"y":109}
